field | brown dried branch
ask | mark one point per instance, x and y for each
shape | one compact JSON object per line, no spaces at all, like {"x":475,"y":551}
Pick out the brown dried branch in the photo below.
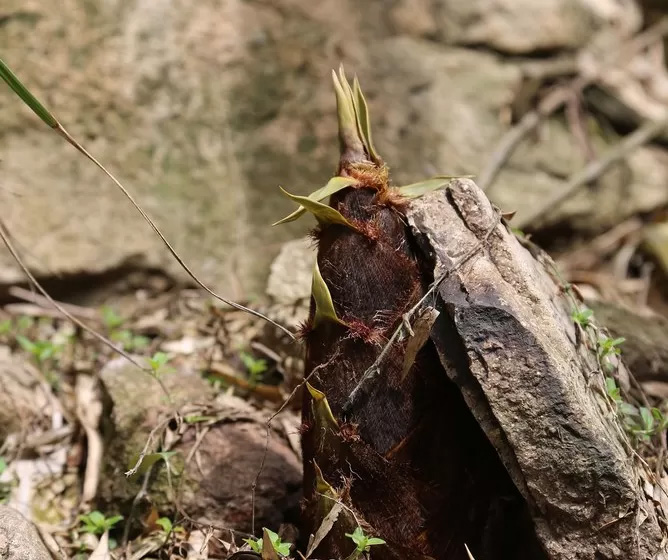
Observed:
{"x":644,"y":134}
{"x":558,"y":97}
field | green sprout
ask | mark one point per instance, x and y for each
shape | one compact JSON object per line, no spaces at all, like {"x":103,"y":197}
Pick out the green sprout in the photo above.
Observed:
{"x":583,"y":317}
{"x":165,"y":524}
{"x":255,"y":367}
{"x":5,"y":487}
{"x":42,"y":350}
{"x":126,"y":338}
{"x":96,"y":523}
{"x":606,"y":348}
{"x":640,"y":422}
{"x":157,"y":364}
{"x":24,"y":322}
{"x":110,"y":318}
{"x":282,"y":548}
{"x":363,"y":543}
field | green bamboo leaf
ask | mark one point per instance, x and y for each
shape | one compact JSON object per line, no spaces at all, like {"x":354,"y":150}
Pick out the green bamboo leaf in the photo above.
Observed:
{"x":415,"y":190}
{"x":363,"y":121}
{"x":334,"y":185}
{"x":324,"y":213}
{"x":349,"y":138}
{"x":324,"y":487}
{"x":324,"y":418}
{"x":147,"y":462}
{"x":28,"y":98}
{"x":324,"y":306}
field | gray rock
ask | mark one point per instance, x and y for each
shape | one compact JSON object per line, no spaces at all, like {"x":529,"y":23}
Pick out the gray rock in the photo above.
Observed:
{"x":291,"y":272}
{"x":202,"y":112}
{"x":526,"y":26}
{"x":22,"y":400}
{"x":19,"y":539}
{"x":214,"y":488}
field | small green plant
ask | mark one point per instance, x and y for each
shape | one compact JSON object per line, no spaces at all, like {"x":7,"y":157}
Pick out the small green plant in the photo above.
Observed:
{"x":5,"y":326}
{"x":5,"y":488}
{"x":126,"y":338}
{"x":24,"y":322}
{"x":44,"y":353}
{"x":280,"y":547}
{"x":608,"y":347}
{"x":614,"y":392}
{"x":41,"y":350}
{"x":96,"y":523}
{"x":583,"y":317}
{"x":363,"y":542}
{"x":256,"y":367}
{"x":641,"y":423}
{"x":110,"y":318}
{"x":157,"y":363}
{"x":165,"y":524}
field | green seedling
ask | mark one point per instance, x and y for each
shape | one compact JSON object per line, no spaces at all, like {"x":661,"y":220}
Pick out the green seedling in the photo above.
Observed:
{"x":363,"y":543}
{"x":96,"y":523}
{"x":5,"y":487}
{"x":280,"y":547}
{"x":613,"y":390}
{"x":608,"y":346}
{"x":255,"y":367}
{"x":128,"y":340}
{"x":165,"y":524}
{"x":583,"y":317}
{"x":5,"y":326}
{"x":41,"y":350}
{"x":157,"y":363}
{"x":110,"y":318}
{"x":24,"y":323}
{"x":641,"y":423}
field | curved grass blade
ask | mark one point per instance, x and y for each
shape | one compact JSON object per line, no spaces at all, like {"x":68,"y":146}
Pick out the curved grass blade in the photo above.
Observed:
{"x":334,"y":185}
{"x":324,"y":213}
{"x":29,"y":99}
{"x":324,"y":306}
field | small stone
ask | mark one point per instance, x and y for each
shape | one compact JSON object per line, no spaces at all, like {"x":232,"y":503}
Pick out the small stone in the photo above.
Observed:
{"x":19,"y":539}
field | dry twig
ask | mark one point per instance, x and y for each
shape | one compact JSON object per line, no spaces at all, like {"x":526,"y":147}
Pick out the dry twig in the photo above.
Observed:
{"x":644,"y":134}
{"x":5,"y":239}
{"x":558,"y":97}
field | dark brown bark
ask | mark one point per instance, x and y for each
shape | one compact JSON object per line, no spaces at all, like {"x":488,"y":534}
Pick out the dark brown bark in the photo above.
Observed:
{"x":500,"y":436}
{"x":417,"y":468}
